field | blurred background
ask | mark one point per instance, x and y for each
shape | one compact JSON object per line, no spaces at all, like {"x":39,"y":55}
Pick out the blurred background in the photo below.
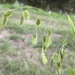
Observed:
{"x":17,"y":54}
{"x":54,"y":5}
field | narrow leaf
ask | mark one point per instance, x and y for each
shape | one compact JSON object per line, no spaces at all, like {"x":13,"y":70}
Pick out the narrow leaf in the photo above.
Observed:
{"x":71,"y":25}
{"x":71,"y":71}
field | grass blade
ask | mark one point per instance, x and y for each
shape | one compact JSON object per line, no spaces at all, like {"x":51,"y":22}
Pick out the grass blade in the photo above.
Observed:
{"x":71,"y":71}
{"x":71,"y":25}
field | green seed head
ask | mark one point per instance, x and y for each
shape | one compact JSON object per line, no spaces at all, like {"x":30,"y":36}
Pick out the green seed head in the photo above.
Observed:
{"x":22,"y":20}
{"x":26,"y":15}
{"x":38,"y":22}
{"x":44,"y":58}
{"x":8,"y":13}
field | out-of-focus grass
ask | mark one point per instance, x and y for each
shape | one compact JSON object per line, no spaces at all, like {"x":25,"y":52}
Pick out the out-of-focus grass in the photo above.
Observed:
{"x":18,"y":56}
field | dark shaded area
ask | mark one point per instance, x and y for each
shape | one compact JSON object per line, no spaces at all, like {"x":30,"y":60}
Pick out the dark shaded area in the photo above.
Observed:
{"x":54,"y":5}
{"x":7,"y":1}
